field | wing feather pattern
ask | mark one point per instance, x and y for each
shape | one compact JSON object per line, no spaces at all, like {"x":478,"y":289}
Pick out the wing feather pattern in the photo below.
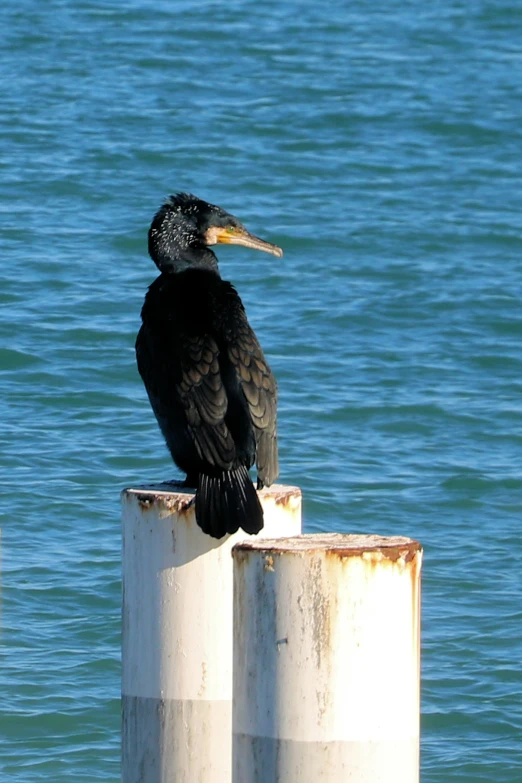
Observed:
{"x":260,"y":390}
{"x":208,"y":381}
{"x":204,"y":398}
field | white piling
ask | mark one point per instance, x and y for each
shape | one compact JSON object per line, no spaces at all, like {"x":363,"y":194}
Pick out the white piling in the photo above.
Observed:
{"x":326,"y":660}
{"x":177,"y":635}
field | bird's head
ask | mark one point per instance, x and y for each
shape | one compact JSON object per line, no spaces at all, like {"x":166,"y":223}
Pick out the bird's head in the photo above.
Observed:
{"x":184,"y":228}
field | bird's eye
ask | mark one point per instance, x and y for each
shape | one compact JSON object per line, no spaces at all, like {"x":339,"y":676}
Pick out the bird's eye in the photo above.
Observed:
{"x":230,"y":229}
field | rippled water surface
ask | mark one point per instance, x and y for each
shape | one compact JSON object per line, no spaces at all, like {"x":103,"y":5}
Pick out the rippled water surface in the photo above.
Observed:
{"x":380,"y":146}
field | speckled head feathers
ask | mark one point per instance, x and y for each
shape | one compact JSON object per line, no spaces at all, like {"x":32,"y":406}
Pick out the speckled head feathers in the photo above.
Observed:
{"x":185,"y":226}
{"x":195,"y":213}
{"x":177,"y":234}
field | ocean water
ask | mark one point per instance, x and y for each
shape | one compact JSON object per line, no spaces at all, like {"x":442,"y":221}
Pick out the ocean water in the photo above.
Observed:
{"x":378,"y":144}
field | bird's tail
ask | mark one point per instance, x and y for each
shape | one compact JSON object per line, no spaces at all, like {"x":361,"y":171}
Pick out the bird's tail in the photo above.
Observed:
{"x":226,"y":502}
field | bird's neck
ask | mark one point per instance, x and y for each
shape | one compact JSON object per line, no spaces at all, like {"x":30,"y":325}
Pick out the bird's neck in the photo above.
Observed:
{"x":189,"y":258}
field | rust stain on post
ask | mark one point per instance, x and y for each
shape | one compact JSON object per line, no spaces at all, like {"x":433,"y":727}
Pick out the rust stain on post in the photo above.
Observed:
{"x":379,"y":553}
{"x":166,"y":497}
{"x":145,"y":502}
{"x":340,"y":546}
{"x":159,"y":495}
{"x":285,"y":498}
{"x":416,"y":600}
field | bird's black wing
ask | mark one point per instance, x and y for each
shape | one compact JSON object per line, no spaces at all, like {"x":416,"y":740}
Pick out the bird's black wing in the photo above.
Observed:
{"x":179,"y":362}
{"x":203,"y":395}
{"x":206,"y":376}
{"x":260,"y":390}
{"x":181,"y":373}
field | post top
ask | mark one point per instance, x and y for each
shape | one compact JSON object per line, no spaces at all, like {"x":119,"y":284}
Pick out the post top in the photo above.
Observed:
{"x":340,"y":544}
{"x":176,"y":497}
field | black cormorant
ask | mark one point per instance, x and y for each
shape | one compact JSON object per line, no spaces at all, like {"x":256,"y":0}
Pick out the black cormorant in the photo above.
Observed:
{"x":208,"y":382}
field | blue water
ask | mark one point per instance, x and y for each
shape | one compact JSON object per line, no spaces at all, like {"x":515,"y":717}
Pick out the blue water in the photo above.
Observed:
{"x":380,"y":146}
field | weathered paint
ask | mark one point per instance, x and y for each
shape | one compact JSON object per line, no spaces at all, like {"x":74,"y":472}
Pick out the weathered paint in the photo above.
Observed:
{"x":177,"y":634}
{"x":326,"y":660}
{"x":341,"y":545}
{"x":289,"y":761}
{"x":155,"y":752}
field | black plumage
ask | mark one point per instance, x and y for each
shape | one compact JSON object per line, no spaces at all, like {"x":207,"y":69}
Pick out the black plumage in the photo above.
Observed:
{"x":208,"y":382}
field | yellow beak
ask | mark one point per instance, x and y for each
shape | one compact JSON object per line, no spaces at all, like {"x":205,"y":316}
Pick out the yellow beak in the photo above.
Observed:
{"x":238,"y":236}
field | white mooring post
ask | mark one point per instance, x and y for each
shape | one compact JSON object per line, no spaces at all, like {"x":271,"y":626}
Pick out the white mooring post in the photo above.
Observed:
{"x":177,"y":635}
{"x":326,"y":660}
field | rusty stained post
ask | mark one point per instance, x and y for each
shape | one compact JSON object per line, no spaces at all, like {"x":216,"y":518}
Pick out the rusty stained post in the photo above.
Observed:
{"x":177,"y":635}
{"x":326,"y":660}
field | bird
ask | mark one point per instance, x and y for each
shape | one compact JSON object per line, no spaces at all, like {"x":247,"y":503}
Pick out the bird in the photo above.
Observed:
{"x":208,"y":382}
